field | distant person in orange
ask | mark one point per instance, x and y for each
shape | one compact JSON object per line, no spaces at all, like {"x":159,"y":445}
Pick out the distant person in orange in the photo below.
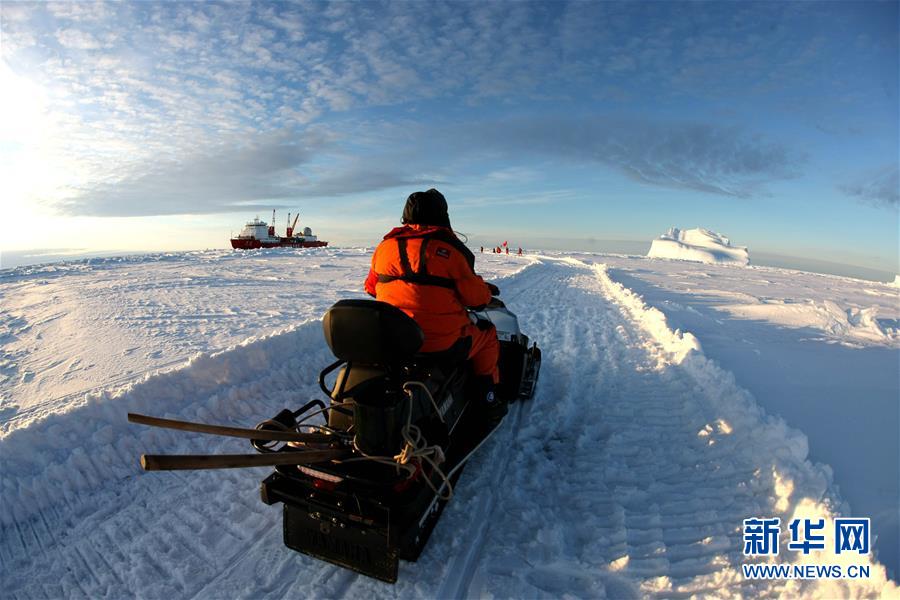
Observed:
{"x":424,"y":270}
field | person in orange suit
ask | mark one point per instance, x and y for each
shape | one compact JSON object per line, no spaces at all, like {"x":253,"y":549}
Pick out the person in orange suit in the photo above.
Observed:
{"x":423,"y":269}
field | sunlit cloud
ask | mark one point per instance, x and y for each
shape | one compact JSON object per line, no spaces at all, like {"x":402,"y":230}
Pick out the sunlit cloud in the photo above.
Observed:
{"x":694,"y":156}
{"x":78,"y":40}
{"x":222,"y":179}
{"x":192,"y":108}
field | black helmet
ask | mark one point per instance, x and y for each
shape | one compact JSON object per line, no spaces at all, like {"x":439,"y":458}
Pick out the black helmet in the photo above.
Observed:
{"x":426,"y":208}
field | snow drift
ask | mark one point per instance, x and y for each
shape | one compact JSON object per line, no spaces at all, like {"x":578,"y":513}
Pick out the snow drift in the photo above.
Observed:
{"x":699,"y":245}
{"x":628,"y":475}
{"x":848,"y":325}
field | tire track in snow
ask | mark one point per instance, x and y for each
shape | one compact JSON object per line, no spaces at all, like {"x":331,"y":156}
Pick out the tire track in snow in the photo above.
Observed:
{"x":170,"y":533}
{"x":628,"y":476}
{"x":635,"y":470}
{"x":462,"y":567}
{"x":234,"y":560}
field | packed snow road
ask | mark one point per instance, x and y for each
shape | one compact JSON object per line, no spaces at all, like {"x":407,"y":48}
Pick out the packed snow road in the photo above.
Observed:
{"x":628,"y":475}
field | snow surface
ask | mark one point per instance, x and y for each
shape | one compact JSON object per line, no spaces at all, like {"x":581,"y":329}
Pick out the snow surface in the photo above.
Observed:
{"x":837,"y":379}
{"x":700,"y":245}
{"x":628,"y":474}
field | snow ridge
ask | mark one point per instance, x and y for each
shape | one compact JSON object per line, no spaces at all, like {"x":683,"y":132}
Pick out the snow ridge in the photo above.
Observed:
{"x":80,"y":518}
{"x":801,"y":489}
{"x":850,"y":326}
{"x":677,"y":345}
{"x":70,"y":453}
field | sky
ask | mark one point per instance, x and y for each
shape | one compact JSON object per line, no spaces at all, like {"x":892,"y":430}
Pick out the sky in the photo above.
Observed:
{"x":167,"y":125}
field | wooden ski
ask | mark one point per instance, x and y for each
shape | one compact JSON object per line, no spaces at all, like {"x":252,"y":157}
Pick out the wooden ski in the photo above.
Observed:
{"x":239,"y":432}
{"x":178,"y":462}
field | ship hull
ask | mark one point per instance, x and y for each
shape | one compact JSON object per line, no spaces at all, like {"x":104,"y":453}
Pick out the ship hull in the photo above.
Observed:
{"x":252,"y":244}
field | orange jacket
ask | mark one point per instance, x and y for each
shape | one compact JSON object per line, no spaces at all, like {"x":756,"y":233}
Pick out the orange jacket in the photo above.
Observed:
{"x":436,"y":290}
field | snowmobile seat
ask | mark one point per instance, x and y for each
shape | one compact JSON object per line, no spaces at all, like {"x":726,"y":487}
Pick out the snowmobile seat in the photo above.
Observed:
{"x":371,"y":332}
{"x":450,"y":357}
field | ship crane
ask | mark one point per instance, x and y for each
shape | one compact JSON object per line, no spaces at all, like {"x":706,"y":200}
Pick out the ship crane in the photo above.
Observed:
{"x":290,"y":229}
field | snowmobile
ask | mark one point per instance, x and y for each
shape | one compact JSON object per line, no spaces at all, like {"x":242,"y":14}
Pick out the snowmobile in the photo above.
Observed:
{"x":365,"y":489}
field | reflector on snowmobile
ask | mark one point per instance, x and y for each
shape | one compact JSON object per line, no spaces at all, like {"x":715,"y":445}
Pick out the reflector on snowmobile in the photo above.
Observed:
{"x":320,"y":474}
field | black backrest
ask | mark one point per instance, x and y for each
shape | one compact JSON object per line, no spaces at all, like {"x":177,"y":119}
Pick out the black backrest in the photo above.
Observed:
{"x":371,"y":332}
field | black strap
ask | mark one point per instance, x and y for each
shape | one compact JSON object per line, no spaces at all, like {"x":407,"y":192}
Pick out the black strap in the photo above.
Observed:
{"x":445,"y":282}
{"x":404,"y":257}
{"x":421,"y":276}
{"x":447,"y":236}
{"x":422,"y":270}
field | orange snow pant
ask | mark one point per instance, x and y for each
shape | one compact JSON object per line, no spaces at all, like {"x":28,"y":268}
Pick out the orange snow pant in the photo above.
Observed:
{"x":485,"y":351}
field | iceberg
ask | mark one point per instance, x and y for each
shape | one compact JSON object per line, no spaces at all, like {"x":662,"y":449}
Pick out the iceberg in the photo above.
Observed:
{"x":698,"y":245}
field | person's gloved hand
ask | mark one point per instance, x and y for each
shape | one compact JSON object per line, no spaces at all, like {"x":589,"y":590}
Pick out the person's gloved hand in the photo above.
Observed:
{"x":495,"y":291}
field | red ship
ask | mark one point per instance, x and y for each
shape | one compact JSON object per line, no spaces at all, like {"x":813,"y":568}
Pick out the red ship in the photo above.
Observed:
{"x":259,"y":234}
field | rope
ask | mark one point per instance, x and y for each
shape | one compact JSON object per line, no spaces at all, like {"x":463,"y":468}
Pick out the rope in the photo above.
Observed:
{"x":321,"y":410}
{"x":267,"y":446}
{"x":409,"y":384}
{"x":415,"y":448}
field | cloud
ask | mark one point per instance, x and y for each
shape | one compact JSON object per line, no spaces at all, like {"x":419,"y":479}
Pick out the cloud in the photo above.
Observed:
{"x":79,"y":12}
{"x":878,"y":187}
{"x":77,"y":40}
{"x":340,"y":57}
{"x":479,"y":201}
{"x":695,"y":156}
{"x":208,"y":181}
{"x":355,"y":178}
{"x":257,"y":174}
{"x":169,"y":78}
{"x":366,"y":158}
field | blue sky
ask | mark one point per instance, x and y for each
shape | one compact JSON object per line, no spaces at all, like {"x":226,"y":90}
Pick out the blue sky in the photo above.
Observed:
{"x":167,"y":125}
